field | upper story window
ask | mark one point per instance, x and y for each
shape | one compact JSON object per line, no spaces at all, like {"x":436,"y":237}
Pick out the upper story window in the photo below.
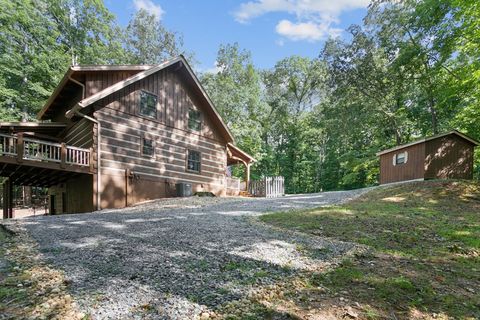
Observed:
{"x":194,"y":120}
{"x":148,"y":147}
{"x":148,"y":104}
{"x":193,"y":161}
{"x":400,"y":158}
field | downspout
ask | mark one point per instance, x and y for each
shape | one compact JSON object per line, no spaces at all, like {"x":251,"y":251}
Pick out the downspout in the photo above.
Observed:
{"x":98,"y":139}
{"x":98,"y":153}
{"x":80,"y":84}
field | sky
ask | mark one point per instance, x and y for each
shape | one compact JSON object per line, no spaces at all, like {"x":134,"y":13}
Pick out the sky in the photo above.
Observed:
{"x":270,"y":29}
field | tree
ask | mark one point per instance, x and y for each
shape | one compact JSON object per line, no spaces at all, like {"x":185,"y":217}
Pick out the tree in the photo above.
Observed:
{"x":30,"y":58}
{"x":149,"y":42}
{"x":236,"y":92}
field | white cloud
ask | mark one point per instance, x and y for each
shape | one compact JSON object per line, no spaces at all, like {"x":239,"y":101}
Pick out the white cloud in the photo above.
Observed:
{"x":215,"y":69}
{"x":314,"y":18}
{"x":149,"y":6}
{"x":309,"y":31}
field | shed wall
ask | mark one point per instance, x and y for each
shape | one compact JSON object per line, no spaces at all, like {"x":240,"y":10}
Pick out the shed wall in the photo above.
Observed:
{"x":413,"y":169}
{"x":448,"y":157}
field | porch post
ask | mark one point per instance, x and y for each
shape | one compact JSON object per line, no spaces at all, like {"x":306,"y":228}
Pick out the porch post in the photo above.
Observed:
{"x":247,"y":174}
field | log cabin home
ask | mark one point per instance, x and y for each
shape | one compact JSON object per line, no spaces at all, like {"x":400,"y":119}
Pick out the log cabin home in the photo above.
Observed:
{"x":443,"y":156}
{"x":112,"y":136}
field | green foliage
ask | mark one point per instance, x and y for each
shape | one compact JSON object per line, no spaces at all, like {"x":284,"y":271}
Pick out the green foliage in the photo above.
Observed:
{"x":149,"y":42}
{"x":412,"y":69}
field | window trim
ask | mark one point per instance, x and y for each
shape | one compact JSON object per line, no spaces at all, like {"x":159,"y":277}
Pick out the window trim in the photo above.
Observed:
{"x":200,"y":120}
{"x":199,"y":162}
{"x":144,"y":137}
{"x":139,"y":112}
{"x":404,"y":157}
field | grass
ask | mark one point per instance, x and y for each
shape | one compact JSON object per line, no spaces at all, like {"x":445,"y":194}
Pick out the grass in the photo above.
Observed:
{"x":425,"y":240}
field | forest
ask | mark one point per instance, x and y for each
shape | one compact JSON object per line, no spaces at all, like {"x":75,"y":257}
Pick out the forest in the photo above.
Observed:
{"x":410,"y":70}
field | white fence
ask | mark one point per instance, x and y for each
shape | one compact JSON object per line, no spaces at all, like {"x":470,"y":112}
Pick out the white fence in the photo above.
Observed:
{"x":269,"y":187}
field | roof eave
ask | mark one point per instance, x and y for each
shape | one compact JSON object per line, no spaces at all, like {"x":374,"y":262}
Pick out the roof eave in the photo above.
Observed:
{"x":456,"y":132}
{"x":54,"y":95}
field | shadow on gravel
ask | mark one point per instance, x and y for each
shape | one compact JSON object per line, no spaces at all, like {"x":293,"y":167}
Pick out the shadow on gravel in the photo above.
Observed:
{"x":174,"y":264}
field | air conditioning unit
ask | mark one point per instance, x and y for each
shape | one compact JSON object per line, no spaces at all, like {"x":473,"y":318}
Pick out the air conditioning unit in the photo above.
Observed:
{"x":184,"y":189}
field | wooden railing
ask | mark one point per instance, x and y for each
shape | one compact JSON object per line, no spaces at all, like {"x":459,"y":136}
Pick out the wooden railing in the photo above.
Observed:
{"x":37,"y":150}
{"x":269,"y":187}
{"x":8,"y":145}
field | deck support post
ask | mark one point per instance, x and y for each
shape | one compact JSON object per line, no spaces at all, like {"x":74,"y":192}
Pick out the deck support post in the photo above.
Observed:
{"x":7,"y":199}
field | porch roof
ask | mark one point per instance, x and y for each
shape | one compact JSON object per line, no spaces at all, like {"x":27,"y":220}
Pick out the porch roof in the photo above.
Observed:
{"x":235,"y":155}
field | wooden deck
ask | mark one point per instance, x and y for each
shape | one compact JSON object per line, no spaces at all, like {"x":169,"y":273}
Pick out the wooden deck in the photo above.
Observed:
{"x":27,"y":161}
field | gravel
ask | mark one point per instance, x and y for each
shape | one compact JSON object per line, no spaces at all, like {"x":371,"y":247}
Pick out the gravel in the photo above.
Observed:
{"x":180,"y":258}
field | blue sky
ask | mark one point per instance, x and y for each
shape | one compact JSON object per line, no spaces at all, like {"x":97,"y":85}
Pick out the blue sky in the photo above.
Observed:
{"x":270,"y":29}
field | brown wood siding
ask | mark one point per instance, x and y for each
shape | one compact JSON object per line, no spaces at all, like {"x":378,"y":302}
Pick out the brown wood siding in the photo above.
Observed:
{"x":174,"y":100}
{"x":123,"y":129}
{"x":96,"y":81}
{"x":413,"y":169}
{"x":78,"y":192}
{"x":80,"y":134}
{"x":449,"y":157}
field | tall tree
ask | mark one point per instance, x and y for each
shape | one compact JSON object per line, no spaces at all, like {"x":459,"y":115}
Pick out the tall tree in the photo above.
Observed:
{"x":235,"y":89}
{"x":149,"y":42}
{"x":30,"y":58}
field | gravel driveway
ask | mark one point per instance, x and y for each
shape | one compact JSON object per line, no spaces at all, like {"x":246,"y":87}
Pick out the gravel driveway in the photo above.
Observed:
{"x":180,"y":258}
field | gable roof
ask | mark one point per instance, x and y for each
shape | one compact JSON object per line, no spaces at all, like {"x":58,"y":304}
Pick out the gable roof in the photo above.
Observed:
{"x":142,"y":75}
{"x":455,"y":132}
{"x":74,"y":70}
{"x":236,"y":155}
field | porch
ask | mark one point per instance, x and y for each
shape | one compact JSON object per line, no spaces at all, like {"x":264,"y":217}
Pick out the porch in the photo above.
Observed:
{"x":28,"y":161}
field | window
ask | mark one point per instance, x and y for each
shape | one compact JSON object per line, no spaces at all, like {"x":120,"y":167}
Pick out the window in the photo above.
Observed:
{"x":400,"y":158}
{"x":148,"y":147}
{"x":193,"y":161}
{"x":194,"y":122}
{"x":148,"y":104}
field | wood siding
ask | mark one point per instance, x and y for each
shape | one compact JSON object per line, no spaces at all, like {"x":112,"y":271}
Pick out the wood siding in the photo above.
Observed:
{"x":99,"y":80}
{"x":449,"y":157}
{"x":80,"y":134}
{"x":122,"y":129}
{"x":411,"y":170}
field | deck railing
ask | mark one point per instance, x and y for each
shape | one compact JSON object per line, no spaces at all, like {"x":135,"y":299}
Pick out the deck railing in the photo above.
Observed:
{"x":42,"y":150}
{"x":37,"y":150}
{"x":8,"y":145}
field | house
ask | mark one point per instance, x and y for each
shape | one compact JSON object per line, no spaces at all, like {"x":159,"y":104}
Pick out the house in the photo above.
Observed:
{"x":113,"y":136}
{"x":443,"y":156}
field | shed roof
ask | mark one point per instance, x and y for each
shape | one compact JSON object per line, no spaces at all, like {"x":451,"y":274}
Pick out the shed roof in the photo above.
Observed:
{"x":454,"y":132}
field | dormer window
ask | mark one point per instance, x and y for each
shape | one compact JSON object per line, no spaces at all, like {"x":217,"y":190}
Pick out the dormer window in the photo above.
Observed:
{"x":148,"y":104}
{"x":194,"y":120}
{"x":400,"y":158}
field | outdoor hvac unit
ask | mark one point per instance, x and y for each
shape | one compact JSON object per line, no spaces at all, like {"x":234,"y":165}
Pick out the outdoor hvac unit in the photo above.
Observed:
{"x":184,"y":189}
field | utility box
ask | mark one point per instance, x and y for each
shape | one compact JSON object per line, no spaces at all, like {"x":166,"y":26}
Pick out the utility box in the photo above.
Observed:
{"x":184,"y":189}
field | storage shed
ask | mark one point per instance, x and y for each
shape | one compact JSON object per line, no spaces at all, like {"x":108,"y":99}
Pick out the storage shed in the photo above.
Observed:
{"x":444,"y":156}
